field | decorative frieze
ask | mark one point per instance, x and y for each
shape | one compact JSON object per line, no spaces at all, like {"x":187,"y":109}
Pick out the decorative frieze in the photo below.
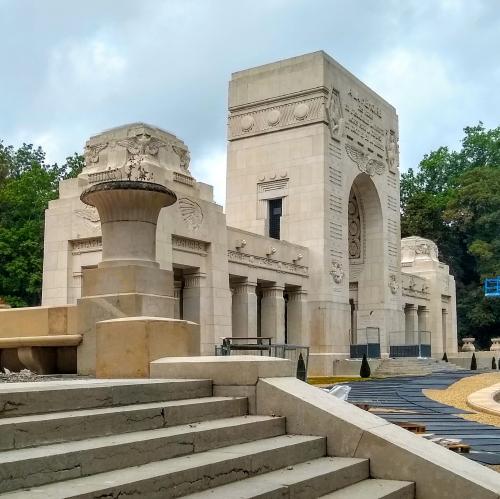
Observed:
{"x":88,"y":245}
{"x":184,"y":179}
{"x":105,"y":176}
{"x":190,"y":245}
{"x":266,"y":263}
{"x":277,"y":116}
{"x":415,"y":286}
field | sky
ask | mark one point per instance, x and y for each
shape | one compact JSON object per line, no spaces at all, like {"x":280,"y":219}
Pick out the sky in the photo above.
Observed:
{"x":70,"y":69}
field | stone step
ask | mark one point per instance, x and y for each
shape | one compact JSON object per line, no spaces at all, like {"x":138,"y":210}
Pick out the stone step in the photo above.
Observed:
{"x":50,"y":463}
{"x":18,"y":399}
{"x":38,"y":429}
{"x":375,"y":489}
{"x":184,"y":475}
{"x":302,"y":481}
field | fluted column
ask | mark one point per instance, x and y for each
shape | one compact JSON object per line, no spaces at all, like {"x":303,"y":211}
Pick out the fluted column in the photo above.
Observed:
{"x":296,"y":320}
{"x":244,"y":309}
{"x":178,"y":298}
{"x":411,"y":324}
{"x":193,"y":297}
{"x":273,"y":314}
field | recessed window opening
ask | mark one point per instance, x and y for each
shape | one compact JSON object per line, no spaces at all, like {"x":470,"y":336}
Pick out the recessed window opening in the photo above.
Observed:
{"x":275,"y":212}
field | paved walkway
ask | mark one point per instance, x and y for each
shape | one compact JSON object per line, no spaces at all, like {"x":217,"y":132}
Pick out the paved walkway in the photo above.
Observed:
{"x":405,"y":393}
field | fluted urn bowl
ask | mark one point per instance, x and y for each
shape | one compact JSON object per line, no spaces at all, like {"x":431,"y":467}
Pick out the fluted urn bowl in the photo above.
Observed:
{"x":129,"y":212}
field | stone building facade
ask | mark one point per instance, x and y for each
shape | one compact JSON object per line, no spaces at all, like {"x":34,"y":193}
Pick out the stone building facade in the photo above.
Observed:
{"x":308,"y":250}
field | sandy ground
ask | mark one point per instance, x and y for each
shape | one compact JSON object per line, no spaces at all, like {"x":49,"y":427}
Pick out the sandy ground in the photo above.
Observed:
{"x":456,"y":396}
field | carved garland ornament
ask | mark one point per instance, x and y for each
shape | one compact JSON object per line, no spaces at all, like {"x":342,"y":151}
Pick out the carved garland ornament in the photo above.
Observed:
{"x":138,"y":149}
{"x":393,"y":284}
{"x":337,"y":272}
{"x":392,"y":151}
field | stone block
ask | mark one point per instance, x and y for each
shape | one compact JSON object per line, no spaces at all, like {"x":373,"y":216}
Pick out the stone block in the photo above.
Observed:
{"x":127,"y":279}
{"x":231,"y":370}
{"x":394,"y":453}
{"x":125,"y":347}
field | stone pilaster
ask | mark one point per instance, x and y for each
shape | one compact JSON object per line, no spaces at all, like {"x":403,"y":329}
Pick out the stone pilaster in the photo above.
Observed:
{"x":244,"y":309}
{"x":411,"y":324}
{"x":194,"y":298}
{"x":296,"y":318}
{"x":178,"y":298}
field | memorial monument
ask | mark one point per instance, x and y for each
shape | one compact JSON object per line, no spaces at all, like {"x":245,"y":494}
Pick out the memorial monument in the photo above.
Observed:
{"x":306,"y":251}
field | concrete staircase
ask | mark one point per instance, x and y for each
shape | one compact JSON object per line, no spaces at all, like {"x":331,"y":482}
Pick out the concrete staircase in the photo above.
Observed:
{"x":163,"y":438}
{"x":412,"y":366}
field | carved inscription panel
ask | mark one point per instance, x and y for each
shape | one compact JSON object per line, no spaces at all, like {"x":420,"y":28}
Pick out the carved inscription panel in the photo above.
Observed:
{"x":364,"y":122}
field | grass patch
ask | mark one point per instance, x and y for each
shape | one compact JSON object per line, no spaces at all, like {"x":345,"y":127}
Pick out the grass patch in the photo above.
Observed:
{"x":332,"y":380}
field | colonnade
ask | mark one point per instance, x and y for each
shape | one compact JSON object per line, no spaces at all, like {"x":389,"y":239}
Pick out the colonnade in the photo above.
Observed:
{"x":270,"y":311}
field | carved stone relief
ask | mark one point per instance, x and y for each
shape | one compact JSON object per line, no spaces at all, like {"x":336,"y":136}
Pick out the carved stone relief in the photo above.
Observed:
{"x":191,"y":213}
{"x":337,"y":272}
{"x":367,"y":163}
{"x":140,"y":148}
{"x":392,"y":151}
{"x":184,"y":158}
{"x":91,"y":154}
{"x":90,"y":218}
{"x":354,"y":227}
{"x":393,"y":284}
{"x":334,"y":115}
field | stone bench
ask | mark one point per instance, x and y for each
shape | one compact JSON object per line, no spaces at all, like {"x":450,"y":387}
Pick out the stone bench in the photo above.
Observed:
{"x":40,"y":354}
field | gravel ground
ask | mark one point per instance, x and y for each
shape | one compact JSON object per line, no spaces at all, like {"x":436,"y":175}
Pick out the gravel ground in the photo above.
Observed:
{"x":456,"y":396}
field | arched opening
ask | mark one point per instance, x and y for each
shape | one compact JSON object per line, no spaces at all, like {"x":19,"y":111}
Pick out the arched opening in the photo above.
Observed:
{"x":366,"y":261}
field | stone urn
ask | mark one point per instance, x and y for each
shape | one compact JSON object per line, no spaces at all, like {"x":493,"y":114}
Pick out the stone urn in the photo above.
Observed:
{"x":129,"y":211}
{"x":468,"y":345}
{"x":495,"y":345}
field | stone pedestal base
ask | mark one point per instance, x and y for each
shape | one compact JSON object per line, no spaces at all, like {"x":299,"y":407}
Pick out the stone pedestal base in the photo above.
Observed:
{"x":117,"y":293}
{"x":321,"y":364}
{"x":125,"y":347}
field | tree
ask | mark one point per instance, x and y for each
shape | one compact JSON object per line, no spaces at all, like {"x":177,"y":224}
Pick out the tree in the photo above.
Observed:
{"x":27,"y":184}
{"x":493,"y":363}
{"x":365,"y":370}
{"x":445,"y":357}
{"x":454,"y":199}
{"x":473,"y":362}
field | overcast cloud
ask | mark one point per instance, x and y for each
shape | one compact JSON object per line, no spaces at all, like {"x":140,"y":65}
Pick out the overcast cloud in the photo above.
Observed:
{"x":70,"y":69}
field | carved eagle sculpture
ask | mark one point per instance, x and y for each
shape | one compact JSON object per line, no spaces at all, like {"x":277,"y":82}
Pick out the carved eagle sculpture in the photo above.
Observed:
{"x":190,"y":212}
{"x":365,"y":162}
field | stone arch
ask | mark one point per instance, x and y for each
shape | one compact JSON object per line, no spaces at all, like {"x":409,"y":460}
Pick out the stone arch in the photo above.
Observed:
{"x":366,"y":253}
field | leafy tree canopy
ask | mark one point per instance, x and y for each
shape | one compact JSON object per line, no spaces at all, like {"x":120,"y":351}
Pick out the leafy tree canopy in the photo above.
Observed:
{"x":27,"y":184}
{"x":454,"y":199}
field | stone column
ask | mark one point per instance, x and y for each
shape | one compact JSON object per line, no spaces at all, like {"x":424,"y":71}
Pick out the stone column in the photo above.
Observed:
{"x":273,"y":314}
{"x":411,"y":324}
{"x":193,"y":299}
{"x":423,"y":324}
{"x":178,"y":298}
{"x":244,"y":310}
{"x":296,"y":320}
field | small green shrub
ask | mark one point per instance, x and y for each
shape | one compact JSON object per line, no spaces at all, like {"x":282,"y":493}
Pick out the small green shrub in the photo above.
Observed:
{"x":365,"y":370}
{"x":473,"y":362}
{"x":493,"y":363}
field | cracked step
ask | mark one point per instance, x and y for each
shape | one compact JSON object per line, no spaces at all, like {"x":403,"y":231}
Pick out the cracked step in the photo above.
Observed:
{"x":31,"y":430}
{"x":184,"y":475}
{"x":18,"y":399}
{"x":49,"y":463}
{"x":375,"y":489}
{"x":302,"y":481}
